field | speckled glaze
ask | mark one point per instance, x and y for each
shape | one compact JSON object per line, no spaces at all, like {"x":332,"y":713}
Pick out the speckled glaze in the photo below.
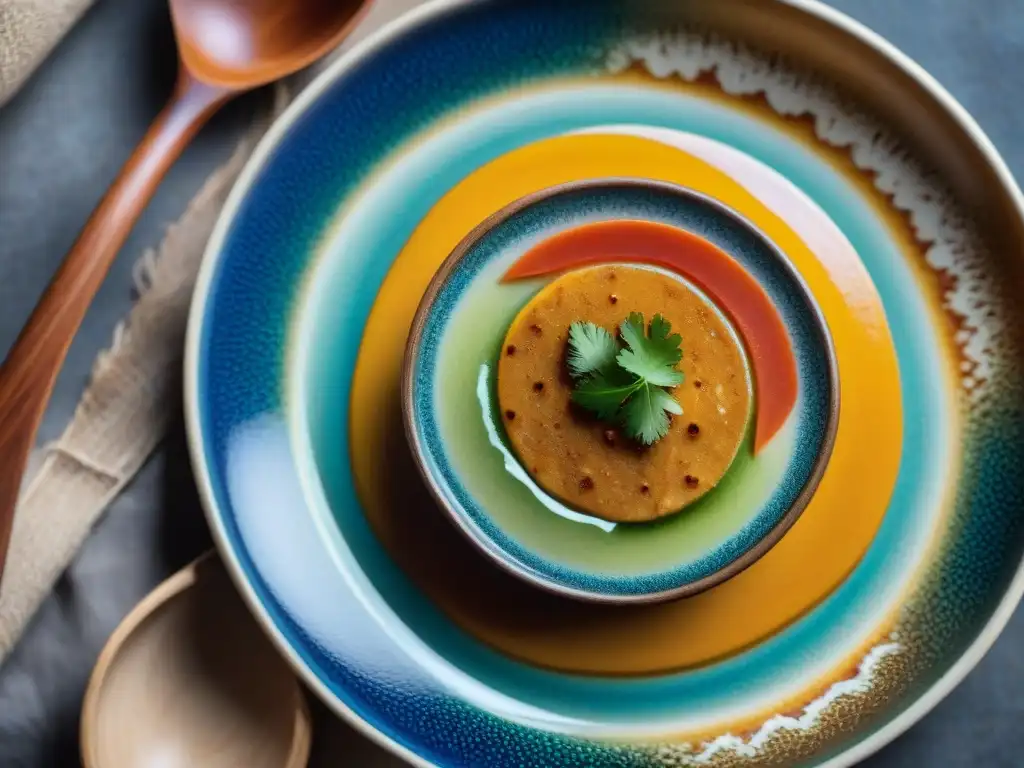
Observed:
{"x":438,"y":396}
{"x":298,"y":279}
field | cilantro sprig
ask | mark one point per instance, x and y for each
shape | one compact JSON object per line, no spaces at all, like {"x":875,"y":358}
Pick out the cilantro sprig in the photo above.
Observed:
{"x":627,"y":386}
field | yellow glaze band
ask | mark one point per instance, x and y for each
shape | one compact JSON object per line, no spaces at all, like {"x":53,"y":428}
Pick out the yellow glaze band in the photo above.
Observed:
{"x":812,"y":559}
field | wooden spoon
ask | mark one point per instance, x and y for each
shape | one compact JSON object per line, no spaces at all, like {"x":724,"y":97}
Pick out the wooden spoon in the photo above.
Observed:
{"x":188,"y":679}
{"x":225,"y":47}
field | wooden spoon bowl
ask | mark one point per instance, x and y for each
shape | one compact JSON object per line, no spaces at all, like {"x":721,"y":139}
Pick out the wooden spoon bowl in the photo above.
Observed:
{"x":188,"y":679}
{"x":240,"y":45}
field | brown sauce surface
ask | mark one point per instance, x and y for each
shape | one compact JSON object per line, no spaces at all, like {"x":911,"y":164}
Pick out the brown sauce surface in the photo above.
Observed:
{"x":589,"y":465}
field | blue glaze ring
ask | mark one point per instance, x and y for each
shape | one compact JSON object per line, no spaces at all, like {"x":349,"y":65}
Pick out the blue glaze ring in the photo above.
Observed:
{"x":543,"y":215}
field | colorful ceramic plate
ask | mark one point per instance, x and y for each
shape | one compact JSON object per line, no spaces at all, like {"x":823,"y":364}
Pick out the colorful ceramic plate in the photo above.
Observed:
{"x":904,"y":565}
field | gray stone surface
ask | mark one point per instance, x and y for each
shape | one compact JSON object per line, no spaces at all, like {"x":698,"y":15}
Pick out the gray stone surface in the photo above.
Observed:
{"x":63,"y":139}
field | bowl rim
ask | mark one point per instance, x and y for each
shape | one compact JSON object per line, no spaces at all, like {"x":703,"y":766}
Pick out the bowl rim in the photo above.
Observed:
{"x":485,"y":544}
{"x":818,"y":10}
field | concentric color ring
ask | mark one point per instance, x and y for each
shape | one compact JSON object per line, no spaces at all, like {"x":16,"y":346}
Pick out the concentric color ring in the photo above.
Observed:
{"x":736,"y":614}
{"x":357,"y":233}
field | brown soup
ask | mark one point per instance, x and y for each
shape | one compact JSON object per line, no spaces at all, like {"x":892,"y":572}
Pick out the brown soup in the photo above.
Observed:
{"x":590,"y":465}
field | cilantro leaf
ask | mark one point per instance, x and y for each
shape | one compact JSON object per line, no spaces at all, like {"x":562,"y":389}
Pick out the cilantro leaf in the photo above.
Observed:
{"x":651,"y":357}
{"x":645,"y":416}
{"x":591,"y":349}
{"x":605,"y":392}
{"x":627,"y":387}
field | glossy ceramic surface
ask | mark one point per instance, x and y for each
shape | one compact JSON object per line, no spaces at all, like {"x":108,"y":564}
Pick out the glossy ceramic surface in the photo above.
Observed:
{"x":451,"y":362}
{"x":904,"y":565}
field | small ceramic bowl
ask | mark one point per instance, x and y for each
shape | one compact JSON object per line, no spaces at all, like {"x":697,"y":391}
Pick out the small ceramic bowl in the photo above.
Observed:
{"x":456,"y":432}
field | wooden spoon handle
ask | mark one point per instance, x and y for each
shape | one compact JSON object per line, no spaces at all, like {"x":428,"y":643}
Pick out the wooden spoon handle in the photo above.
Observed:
{"x":30,"y":369}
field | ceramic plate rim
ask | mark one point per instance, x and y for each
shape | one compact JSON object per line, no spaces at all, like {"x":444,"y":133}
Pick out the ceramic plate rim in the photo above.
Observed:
{"x":816,"y":9}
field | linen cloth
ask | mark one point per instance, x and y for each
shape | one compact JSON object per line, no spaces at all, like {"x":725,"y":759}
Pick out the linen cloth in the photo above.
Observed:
{"x":29,"y":29}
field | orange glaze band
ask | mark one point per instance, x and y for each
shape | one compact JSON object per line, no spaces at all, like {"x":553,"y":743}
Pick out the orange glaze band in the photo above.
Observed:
{"x":713,"y":270}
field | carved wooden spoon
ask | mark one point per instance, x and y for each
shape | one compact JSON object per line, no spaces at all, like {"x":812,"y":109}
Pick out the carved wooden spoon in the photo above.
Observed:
{"x":225,"y":47}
